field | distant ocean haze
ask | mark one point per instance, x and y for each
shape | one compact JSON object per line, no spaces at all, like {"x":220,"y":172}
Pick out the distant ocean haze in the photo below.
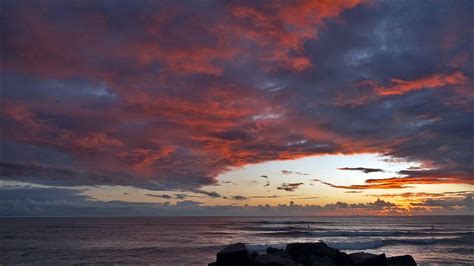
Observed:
{"x":195,"y":240}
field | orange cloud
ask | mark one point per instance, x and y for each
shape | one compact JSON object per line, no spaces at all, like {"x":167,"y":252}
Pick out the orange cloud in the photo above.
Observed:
{"x":96,"y":141}
{"x":21,"y":114}
{"x":281,"y":28}
{"x":402,"y":181}
{"x":190,"y":98}
{"x":405,"y":182}
{"x":399,"y":86}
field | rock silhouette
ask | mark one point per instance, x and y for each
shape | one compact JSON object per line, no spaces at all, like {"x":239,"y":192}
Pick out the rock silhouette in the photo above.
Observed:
{"x":305,"y":254}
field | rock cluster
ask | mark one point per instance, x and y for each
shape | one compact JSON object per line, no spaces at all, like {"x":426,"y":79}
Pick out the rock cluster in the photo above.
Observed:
{"x":302,"y":254}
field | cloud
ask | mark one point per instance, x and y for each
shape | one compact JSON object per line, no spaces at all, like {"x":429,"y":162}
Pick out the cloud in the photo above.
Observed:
{"x":211,"y":194}
{"x":447,"y":203}
{"x":267,"y":184}
{"x":48,"y":201}
{"x":188,"y":203}
{"x":362,"y":169}
{"x":286,"y":172}
{"x":181,"y":196}
{"x":21,"y":200}
{"x":163,"y":196}
{"x":399,"y":86}
{"x":260,"y":82}
{"x":289,"y":186}
{"x":309,"y":198}
{"x":238,"y":197}
{"x":266,"y":197}
{"x":422,"y":194}
{"x":405,"y":182}
{"x":381,"y":185}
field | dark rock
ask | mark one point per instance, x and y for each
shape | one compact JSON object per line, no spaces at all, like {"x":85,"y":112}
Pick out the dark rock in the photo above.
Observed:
{"x":278,"y":252}
{"x":253,"y":255}
{"x":321,"y":261}
{"x":406,"y":260}
{"x":342,"y":259}
{"x":271,"y":250}
{"x":273,"y":260}
{"x":367,"y":259}
{"x":305,"y":254}
{"x":302,"y":252}
{"x":234,"y":255}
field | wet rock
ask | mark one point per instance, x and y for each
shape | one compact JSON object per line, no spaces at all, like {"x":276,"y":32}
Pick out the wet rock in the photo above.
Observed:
{"x":278,"y":252}
{"x":305,"y":254}
{"x":234,"y":255}
{"x":273,"y":260}
{"x":271,"y":250}
{"x":342,"y":259}
{"x":302,"y":252}
{"x":405,"y":260}
{"x":321,"y":261}
{"x":253,"y":255}
{"x":368,"y":259}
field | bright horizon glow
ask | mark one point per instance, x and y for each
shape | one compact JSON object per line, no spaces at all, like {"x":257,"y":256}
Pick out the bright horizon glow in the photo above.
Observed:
{"x":247,"y":181}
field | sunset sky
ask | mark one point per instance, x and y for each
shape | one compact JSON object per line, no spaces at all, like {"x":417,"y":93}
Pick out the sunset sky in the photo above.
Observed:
{"x":236,"y":107}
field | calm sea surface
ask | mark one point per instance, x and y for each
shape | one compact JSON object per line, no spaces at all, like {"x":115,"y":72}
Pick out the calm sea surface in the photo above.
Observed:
{"x":195,"y":240}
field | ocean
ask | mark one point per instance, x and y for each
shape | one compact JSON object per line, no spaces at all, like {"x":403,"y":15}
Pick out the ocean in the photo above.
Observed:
{"x":431,"y":240}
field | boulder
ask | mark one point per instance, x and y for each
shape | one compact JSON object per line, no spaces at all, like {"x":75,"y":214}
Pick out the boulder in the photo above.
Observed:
{"x":368,"y":259}
{"x":341,"y":258}
{"x":305,"y":254}
{"x":302,"y":252}
{"x":321,"y":261}
{"x":273,"y":260}
{"x":234,"y":255}
{"x":253,"y":255}
{"x":271,"y":250}
{"x":278,"y":252}
{"x":406,"y":260}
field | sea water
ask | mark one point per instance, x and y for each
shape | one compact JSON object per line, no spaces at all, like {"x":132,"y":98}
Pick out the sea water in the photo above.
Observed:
{"x":431,"y":240}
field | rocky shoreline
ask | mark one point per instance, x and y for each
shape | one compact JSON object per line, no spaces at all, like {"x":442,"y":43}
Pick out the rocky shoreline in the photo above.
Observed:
{"x":305,"y":254}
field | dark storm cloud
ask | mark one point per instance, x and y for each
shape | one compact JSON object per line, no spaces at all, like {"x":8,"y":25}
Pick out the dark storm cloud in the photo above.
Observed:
{"x":88,"y":88}
{"x":361,"y":169}
{"x":29,"y":193}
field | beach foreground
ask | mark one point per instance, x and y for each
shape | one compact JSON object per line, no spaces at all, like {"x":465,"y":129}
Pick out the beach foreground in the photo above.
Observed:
{"x":311,"y":254}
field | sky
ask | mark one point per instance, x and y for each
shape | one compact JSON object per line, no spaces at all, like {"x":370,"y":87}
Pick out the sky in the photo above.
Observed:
{"x":301,"y":107}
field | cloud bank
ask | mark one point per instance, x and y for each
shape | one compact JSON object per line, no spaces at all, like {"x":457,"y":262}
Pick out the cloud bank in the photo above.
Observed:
{"x":168,"y":95}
